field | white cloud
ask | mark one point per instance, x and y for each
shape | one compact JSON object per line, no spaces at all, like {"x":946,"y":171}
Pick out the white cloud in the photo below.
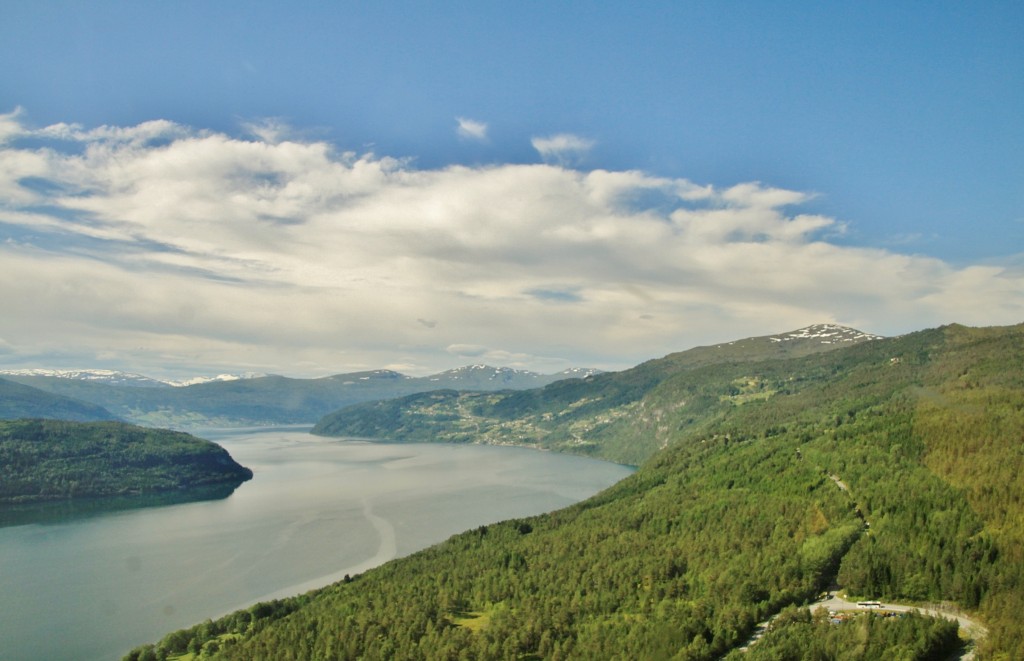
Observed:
{"x":10,"y":125}
{"x":158,"y":244}
{"x":269,"y":130}
{"x":562,"y":148}
{"x":471,"y":128}
{"x":112,"y":135}
{"x":466,"y":350}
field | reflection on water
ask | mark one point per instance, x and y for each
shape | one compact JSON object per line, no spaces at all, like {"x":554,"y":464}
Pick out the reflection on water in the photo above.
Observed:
{"x":90,"y":584}
{"x":65,"y":510}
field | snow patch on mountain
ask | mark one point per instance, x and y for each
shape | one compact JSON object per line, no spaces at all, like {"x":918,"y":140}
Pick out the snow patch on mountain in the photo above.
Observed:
{"x":579,"y":373}
{"x":485,"y":372}
{"x":196,"y":380}
{"x":117,"y":378}
{"x":108,"y":377}
{"x":826,"y":334}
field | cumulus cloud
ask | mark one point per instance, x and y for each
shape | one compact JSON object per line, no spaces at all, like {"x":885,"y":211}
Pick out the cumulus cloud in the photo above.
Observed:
{"x":471,"y":129}
{"x":159,"y":244}
{"x":562,"y":148}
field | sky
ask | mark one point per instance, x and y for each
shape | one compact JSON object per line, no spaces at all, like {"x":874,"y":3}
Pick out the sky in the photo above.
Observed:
{"x":195,"y":188}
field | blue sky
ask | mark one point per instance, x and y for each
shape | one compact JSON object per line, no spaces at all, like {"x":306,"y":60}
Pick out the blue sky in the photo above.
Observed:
{"x":315,"y":188}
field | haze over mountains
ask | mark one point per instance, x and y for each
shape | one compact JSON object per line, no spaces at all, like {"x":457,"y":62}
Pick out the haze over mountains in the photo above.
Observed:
{"x":252,"y":399}
{"x":20,"y":401}
{"x":602,"y":415}
{"x":248,"y":399}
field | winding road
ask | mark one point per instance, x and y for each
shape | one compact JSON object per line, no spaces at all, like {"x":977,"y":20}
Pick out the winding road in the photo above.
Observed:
{"x":970,"y":628}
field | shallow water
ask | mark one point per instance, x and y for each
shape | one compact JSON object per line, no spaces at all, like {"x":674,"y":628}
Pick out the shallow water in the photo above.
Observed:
{"x":92,"y":586}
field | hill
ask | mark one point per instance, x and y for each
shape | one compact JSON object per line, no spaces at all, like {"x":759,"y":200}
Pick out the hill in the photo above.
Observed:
{"x":604,"y":415}
{"x":891,"y":466}
{"x":21,"y":401}
{"x":265,"y":400}
{"x":49,"y":460}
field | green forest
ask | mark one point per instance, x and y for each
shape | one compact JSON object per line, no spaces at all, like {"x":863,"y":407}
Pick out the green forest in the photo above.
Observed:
{"x":891,"y":466}
{"x":50,"y":460}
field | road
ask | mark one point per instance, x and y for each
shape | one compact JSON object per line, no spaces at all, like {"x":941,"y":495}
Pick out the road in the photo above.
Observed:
{"x":971,"y":628}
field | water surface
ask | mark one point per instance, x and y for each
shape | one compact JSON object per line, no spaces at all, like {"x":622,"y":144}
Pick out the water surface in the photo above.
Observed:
{"x":94,"y":586}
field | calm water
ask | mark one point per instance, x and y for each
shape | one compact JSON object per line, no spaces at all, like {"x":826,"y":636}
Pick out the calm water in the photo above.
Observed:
{"x":93,"y":587}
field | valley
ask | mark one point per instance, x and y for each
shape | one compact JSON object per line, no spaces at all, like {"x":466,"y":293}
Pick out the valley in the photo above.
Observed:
{"x":735,"y":513}
{"x":227,"y":401}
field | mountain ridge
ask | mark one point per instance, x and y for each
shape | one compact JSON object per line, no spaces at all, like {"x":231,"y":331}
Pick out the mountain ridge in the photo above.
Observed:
{"x":827,"y":333}
{"x":262,"y":400}
{"x":567,"y":415}
{"x":890,"y":467}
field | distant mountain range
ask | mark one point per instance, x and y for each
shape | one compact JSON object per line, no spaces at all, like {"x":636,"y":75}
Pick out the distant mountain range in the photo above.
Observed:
{"x":253,"y":399}
{"x":117,"y":378}
{"x":237,"y":400}
{"x":601,"y":415}
{"x":771,"y":469}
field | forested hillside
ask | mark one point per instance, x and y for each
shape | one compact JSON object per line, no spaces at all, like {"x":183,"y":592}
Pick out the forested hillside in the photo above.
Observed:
{"x":607,"y":415}
{"x":892,"y":465}
{"x":46,"y":460}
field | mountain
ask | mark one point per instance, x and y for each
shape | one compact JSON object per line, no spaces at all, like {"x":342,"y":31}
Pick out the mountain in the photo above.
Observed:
{"x":208,"y":379}
{"x":107,"y":377}
{"x":477,"y":376}
{"x":260,"y":400}
{"x":890,"y":467}
{"x":21,"y":401}
{"x":826,"y":334}
{"x":46,"y":460}
{"x":598,"y":415}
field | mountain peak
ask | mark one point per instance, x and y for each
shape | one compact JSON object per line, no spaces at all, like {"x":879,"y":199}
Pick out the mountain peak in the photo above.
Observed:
{"x":485,"y":372}
{"x":197,"y":380}
{"x":826,"y":334}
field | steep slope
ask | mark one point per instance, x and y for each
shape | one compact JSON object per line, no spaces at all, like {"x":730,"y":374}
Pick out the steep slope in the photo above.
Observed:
{"x":21,"y":401}
{"x":851,"y":463}
{"x":604,"y":415}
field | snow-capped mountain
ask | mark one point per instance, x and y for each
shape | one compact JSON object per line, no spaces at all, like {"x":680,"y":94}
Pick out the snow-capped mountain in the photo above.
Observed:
{"x":579,"y":372}
{"x":117,"y":378}
{"x":108,"y":377}
{"x":826,"y":334}
{"x":211,"y":379}
{"x":485,"y":372}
